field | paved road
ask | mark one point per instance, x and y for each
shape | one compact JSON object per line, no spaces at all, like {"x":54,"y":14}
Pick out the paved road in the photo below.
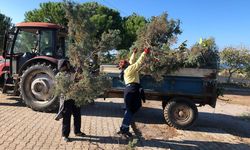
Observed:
{"x":22,"y":128}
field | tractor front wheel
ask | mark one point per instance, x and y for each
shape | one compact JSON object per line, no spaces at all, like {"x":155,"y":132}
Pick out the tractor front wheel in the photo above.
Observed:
{"x":36,"y":87}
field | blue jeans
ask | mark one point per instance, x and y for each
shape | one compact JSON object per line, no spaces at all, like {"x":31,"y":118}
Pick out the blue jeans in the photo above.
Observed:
{"x":126,"y":121}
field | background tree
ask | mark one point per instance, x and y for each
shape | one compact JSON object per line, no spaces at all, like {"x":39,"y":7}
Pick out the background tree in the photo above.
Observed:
{"x":131,"y":26}
{"x":52,"y":12}
{"x":247,"y":70}
{"x":204,"y":54}
{"x":5,"y":24}
{"x":102,"y":18}
{"x":107,"y":26}
{"x":234,"y":60}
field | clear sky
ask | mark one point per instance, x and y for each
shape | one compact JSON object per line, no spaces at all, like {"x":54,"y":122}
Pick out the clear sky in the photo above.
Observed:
{"x":228,"y":21}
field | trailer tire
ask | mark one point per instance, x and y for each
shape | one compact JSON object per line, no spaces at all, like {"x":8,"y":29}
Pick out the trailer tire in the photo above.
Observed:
{"x":36,"y":87}
{"x":180,"y":114}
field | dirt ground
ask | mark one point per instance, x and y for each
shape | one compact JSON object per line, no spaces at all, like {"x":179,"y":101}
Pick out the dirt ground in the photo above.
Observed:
{"x":229,"y":115}
{"x":224,"y":127}
{"x":235,"y":98}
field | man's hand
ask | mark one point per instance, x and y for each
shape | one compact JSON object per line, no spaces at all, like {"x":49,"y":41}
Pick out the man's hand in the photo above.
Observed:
{"x":135,"y":50}
{"x":147,"y":50}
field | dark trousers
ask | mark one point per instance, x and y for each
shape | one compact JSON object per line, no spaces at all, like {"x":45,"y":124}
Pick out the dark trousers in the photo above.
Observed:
{"x":133,"y":103}
{"x":126,"y":120}
{"x":71,"y":108}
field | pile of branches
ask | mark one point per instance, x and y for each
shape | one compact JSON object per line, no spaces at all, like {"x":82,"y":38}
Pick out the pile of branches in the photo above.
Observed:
{"x":159,"y":35}
{"x":84,"y":46}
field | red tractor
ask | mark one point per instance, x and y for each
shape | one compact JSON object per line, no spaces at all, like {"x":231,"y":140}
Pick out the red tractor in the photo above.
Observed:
{"x":32,"y":50}
{"x":4,"y":67}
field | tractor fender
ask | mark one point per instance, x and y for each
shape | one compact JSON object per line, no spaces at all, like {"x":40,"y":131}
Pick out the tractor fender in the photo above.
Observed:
{"x":166,"y":100}
{"x":37,"y":59}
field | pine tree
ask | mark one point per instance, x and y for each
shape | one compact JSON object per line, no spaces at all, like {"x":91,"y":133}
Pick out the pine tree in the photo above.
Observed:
{"x":5,"y":24}
{"x":85,"y":53}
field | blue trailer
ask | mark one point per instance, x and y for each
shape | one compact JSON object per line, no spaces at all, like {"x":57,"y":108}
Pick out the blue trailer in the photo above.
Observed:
{"x":181,"y":92}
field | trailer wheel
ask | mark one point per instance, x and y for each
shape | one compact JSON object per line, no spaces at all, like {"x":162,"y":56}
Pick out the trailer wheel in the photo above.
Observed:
{"x":36,"y":87}
{"x":180,"y":114}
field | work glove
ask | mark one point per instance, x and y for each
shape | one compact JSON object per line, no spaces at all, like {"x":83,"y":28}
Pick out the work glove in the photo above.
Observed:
{"x":147,"y":50}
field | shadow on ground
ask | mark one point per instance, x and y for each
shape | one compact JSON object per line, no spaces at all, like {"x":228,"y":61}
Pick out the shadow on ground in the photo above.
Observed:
{"x":231,"y":124}
{"x":157,"y":143}
{"x":206,"y":122}
{"x":12,"y":101}
{"x":111,"y":109}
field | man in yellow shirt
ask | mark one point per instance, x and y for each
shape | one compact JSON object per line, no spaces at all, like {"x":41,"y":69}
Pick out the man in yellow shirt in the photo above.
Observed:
{"x":132,"y":96}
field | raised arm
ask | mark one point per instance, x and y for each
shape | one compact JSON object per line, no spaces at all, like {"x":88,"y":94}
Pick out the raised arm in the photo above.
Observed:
{"x":132,"y":57}
{"x":136,"y":66}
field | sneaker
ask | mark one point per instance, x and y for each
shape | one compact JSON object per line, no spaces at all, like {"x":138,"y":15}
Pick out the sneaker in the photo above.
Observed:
{"x":80,"y":134}
{"x":66,"y":139}
{"x":126,"y":134}
{"x":119,"y":132}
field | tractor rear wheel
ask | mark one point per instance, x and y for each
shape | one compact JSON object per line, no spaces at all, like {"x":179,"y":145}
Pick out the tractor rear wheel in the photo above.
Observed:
{"x":36,"y":87}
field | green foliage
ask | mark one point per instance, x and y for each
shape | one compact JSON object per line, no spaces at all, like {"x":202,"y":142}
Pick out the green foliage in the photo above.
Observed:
{"x":5,"y":24}
{"x":82,"y":91}
{"x":159,"y":34}
{"x":84,"y":45}
{"x":235,"y":60}
{"x":106,"y":23}
{"x":102,"y":17}
{"x":122,"y":54}
{"x":131,"y":26}
{"x":109,"y":40}
{"x":87,"y":42}
{"x":63,"y":83}
{"x":247,"y":70}
{"x":204,"y":55}
{"x":52,"y":12}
